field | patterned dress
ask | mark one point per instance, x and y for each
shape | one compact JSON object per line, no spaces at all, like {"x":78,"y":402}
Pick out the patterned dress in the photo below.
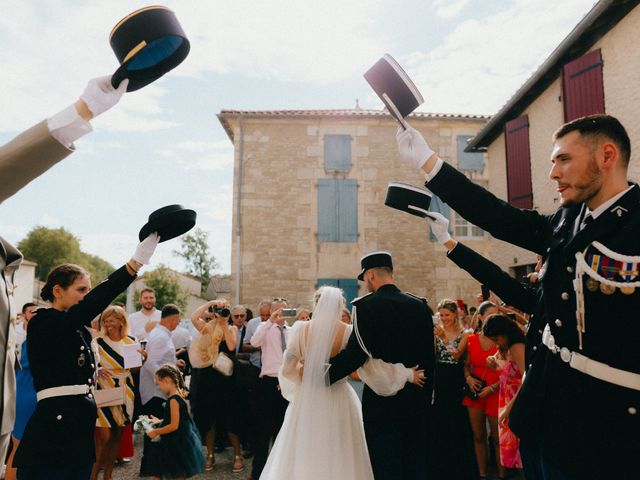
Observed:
{"x":510,"y":380}
{"x":111,"y":359}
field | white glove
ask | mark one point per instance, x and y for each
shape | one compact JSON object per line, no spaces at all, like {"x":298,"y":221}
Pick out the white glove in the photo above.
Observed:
{"x":413,"y":146}
{"x":439,"y":227}
{"x":145,"y":249}
{"x":100,"y":96}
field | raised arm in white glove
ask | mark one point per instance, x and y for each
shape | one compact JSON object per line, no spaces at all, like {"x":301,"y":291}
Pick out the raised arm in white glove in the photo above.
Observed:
{"x":439,"y":227}
{"x":413,"y":146}
{"x":99,"y":96}
{"x":145,"y":249}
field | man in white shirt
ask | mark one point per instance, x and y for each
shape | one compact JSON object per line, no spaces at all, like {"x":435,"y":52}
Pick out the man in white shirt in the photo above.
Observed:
{"x":159,"y":351}
{"x":143,"y":321}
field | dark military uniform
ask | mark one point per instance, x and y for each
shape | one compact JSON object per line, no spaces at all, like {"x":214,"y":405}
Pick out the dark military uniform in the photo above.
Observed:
{"x":60,"y":432}
{"x":585,"y":426}
{"x":394,"y":327}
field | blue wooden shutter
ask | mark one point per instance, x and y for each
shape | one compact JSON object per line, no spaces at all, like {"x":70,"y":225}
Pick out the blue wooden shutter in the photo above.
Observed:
{"x":437,"y":205}
{"x":327,"y":208}
{"x":330,"y":282}
{"x":350,"y":288}
{"x":337,"y":153}
{"x":473,"y":162}
{"x":348,"y":210}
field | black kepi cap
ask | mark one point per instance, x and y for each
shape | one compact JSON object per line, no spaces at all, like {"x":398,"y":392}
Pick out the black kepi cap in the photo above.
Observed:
{"x":379,"y":258}
{"x":170,"y":222}
{"x":148,"y":43}
{"x":410,"y":199}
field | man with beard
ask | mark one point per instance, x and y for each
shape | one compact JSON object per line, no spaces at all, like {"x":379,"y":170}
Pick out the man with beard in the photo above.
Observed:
{"x":580,"y":400}
{"x":143,"y":321}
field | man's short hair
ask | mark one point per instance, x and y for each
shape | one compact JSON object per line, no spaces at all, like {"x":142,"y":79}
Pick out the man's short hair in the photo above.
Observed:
{"x":383,"y":271}
{"x":169,"y":310}
{"x":147,"y":289}
{"x":597,"y":128}
{"x":27,"y":305}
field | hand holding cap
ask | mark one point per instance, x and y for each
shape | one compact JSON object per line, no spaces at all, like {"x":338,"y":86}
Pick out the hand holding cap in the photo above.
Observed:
{"x":412,"y":146}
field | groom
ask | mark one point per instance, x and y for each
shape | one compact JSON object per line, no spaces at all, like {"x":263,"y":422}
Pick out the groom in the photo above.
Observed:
{"x":395,"y":327}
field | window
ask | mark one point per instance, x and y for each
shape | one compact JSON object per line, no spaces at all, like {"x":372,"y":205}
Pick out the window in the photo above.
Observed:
{"x":518,"y":162}
{"x":337,"y":153}
{"x":337,"y":210}
{"x":471,"y":162}
{"x":582,"y":86}
{"x":348,"y":285}
{"x":464,"y":229}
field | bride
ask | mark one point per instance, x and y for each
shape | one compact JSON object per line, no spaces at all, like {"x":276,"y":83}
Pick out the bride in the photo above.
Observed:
{"x":322,"y":435}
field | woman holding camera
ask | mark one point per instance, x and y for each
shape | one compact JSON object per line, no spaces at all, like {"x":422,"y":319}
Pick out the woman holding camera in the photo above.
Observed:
{"x":58,"y":441}
{"x":214,"y":403}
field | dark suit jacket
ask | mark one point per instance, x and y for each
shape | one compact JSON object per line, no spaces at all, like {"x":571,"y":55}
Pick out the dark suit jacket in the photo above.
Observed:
{"x":395,"y":327}
{"x":60,"y":432}
{"x":584,"y":425}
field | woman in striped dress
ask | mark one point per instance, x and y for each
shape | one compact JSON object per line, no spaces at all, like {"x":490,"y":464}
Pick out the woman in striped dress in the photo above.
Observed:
{"x":112,"y":374}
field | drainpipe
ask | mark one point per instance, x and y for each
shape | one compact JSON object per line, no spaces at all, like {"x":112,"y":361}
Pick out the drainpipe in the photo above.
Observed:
{"x":239,"y":213}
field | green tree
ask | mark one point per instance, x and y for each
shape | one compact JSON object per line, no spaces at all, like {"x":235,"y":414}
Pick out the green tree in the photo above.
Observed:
{"x":167,"y":286}
{"x":194,"y":249}
{"x":49,"y":247}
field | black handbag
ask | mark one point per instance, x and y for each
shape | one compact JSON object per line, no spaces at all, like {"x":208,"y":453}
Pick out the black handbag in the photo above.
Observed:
{"x":468,"y":392}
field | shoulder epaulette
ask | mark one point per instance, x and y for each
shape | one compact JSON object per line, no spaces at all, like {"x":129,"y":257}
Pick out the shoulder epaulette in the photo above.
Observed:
{"x":356,"y":300}
{"x":422,"y":299}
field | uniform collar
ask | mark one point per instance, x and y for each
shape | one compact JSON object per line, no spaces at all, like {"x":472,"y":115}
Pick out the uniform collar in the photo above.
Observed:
{"x":388,"y":287}
{"x":602,"y":208}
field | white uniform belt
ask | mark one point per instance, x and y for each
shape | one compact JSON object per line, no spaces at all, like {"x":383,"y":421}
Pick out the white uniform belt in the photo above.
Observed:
{"x":596,"y":369}
{"x":63,"y":391}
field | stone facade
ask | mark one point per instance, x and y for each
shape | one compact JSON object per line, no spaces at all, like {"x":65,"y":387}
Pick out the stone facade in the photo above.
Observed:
{"x":621,"y":75}
{"x":276,"y":251}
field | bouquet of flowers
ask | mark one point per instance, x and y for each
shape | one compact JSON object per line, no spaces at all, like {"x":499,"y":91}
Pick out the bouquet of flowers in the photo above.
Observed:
{"x":145,"y":424}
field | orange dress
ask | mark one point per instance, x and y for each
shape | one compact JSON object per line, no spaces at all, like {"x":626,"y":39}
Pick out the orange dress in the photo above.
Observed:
{"x":478,"y":362}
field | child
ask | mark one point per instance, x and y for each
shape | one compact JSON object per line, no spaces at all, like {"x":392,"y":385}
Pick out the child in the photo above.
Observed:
{"x":178,"y":454}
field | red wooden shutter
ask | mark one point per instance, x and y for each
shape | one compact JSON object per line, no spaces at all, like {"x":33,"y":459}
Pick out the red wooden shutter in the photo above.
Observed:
{"x":582,"y":86}
{"x":518,"y":162}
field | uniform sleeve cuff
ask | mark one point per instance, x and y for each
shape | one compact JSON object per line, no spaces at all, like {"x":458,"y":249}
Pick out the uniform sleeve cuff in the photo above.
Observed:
{"x":68,"y":126}
{"x":434,"y":171}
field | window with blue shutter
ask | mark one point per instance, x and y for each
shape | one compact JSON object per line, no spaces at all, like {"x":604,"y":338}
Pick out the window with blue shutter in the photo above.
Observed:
{"x":439,"y":206}
{"x":337,"y":153}
{"x":348,"y":285}
{"x":337,"y":210}
{"x":472,"y":161}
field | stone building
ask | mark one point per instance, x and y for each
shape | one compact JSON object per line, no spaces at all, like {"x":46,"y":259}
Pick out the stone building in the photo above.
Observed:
{"x":309,"y":195}
{"x":595,"y":69}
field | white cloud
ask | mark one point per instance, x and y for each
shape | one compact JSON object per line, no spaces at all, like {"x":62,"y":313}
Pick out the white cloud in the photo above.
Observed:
{"x":478,"y":66}
{"x":200,"y":155}
{"x":450,"y":8}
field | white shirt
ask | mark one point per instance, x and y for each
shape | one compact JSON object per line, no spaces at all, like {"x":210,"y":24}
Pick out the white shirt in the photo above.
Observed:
{"x":255,"y":358}
{"x":138,"y":320}
{"x":160,"y":350}
{"x":268,"y":337}
{"x":181,"y":337}
{"x":599,"y":210}
{"x":68,"y":126}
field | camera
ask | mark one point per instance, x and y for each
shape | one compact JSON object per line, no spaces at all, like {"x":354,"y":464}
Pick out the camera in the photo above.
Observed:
{"x":289,"y":312}
{"x":221,"y":311}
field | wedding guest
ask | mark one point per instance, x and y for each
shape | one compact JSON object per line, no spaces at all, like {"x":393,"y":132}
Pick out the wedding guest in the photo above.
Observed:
{"x":271,"y":337}
{"x":451,"y":441}
{"x":303,"y":314}
{"x":25,"y":393}
{"x":346,"y":316}
{"x":112,"y":374}
{"x":143,"y":321}
{"x":481,"y":398}
{"x":159,"y":351}
{"x":508,"y":336}
{"x":181,"y":338}
{"x":58,"y":441}
{"x":264,"y":312}
{"x":217,"y":408}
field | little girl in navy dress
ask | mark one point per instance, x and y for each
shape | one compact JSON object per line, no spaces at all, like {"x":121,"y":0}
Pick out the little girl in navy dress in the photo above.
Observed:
{"x":178,"y":454}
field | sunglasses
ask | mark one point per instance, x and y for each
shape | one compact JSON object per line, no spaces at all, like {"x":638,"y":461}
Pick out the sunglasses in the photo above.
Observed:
{"x":279,"y":299}
{"x":242,"y":315}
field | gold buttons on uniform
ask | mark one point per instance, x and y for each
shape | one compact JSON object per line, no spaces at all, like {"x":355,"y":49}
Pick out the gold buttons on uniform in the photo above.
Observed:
{"x":632,"y":410}
{"x":570,"y":269}
{"x":558,"y":322}
{"x":564,"y":296}
{"x":59,"y":417}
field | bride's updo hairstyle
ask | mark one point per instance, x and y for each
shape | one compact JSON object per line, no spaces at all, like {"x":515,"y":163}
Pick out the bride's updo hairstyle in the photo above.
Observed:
{"x":63,"y":275}
{"x":318,"y":294}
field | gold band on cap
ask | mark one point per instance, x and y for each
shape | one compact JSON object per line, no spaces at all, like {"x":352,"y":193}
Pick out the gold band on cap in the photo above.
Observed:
{"x":133,"y":14}
{"x":135,"y":50}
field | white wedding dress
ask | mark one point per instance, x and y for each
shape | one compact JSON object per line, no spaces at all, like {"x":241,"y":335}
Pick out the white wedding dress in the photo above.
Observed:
{"x":322,"y":436}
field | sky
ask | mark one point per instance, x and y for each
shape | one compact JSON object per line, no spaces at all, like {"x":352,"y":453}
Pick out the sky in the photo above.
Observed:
{"x":163,"y":144}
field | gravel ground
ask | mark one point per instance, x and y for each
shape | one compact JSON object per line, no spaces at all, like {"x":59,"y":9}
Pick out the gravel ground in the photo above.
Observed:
{"x":221,"y":471}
